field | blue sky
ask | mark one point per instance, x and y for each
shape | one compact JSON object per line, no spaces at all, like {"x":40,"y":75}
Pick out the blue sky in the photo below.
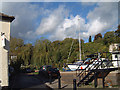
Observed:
{"x":60,"y":20}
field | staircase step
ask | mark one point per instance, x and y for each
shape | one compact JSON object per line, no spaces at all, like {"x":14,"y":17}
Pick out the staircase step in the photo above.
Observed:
{"x":85,"y":80}
{"x":86,"y":83}
{"x":91,"y":74}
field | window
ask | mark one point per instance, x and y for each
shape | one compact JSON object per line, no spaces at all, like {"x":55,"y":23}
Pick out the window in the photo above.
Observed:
{"x":116,"y":56}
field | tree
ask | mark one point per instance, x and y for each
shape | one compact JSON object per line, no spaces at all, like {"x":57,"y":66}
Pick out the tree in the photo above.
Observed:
{"x":16,"y":45}
{"x":98,"y":36}
{"x":27,"y":54}
{"x":45,"y":52}
{"x":90,"y":39}
{"x":109,"y":38}
{"x":58,"y":56}
{"x":117,"y":32}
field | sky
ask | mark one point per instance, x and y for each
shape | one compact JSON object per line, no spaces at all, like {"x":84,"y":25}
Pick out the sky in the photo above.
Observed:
{"x":60,"y":20}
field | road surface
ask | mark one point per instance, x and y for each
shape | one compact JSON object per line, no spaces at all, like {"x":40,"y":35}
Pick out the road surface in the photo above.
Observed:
{"x":25,"y":81}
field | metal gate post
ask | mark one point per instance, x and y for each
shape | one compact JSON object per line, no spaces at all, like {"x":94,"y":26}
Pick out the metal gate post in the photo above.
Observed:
{"x":59,"y":82}
{"x":103,"y":79}
{"x":50,"y":78}
{"x":95,"y":81}
{"x":74,"y":84}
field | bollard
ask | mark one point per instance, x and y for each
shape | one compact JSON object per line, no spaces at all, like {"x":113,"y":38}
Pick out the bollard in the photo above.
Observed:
{"x":59,"y":82}
{"x":50,"y":78}
{"x":95,"y":81}
{"x":74,"y":84}
{"x":103,"y":82}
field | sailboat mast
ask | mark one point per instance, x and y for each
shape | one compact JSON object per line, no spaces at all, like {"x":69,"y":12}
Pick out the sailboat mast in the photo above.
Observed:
{"x":79,"y":47}
{"x":79,"y":43}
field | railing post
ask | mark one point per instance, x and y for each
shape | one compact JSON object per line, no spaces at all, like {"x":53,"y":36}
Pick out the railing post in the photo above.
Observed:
{"x":95,"y":81}
{"x":50,"y":78}
{"x":103,"y":79}
{"x":59,"y":82}
{"x":74,"y":84}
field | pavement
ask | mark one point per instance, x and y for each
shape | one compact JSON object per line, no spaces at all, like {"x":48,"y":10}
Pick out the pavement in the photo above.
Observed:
{"x":67,"y":82}
{"x":25,"y":81}
{"x":54,"y":85}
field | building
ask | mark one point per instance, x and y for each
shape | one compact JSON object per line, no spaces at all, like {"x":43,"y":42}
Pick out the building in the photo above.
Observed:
{"x":5,"y":21}
{"x":115,"y":50}
{"x":114,"y":47}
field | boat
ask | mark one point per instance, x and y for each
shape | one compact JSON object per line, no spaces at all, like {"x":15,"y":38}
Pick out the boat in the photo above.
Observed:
{"x":75,"y":66}
{"x":79,"y":65}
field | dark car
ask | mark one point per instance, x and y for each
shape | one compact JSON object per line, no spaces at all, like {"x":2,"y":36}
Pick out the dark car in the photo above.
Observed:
{"x":48,"y":70}
{"x":54,"y":72}
{"x":28,"y":70}
{"x":11,"y":71}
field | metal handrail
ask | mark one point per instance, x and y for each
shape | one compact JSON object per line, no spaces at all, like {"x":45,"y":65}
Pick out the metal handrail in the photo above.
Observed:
{"x":95,"y":66}
{"x":79,"y":67}
{"x":98,"y":65}
{"x":85,"y":68}
{"x":91,"y":66}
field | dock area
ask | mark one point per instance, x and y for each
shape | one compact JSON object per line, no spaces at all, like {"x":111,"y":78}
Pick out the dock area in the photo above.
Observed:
{"x":111,"y":81}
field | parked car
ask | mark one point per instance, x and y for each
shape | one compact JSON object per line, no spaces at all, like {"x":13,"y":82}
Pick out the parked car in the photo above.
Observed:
{"x":47,"y":70}
{"x":11,"y":71}
{"x":28,"y":70}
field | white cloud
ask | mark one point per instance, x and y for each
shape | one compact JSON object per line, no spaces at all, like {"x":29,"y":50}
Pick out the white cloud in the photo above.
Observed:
{"x":74,"y":25}
{"x":59,"y":27}
{"x":50,"y":23}
{"x":96,"y":27}
{"x":25,"y":14}
{"x":102,"y":18}
{"x":56,"y":24}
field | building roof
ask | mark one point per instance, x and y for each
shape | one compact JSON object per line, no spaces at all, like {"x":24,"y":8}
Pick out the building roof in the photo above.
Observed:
{"x":116,"y":52}
{"x":4,"y":17}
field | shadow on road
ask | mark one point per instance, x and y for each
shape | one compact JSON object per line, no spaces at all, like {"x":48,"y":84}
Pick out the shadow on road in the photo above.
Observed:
{"x":23,"y":81}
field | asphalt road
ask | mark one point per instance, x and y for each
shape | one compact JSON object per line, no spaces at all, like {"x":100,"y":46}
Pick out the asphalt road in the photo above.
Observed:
{"x":25,"y":81}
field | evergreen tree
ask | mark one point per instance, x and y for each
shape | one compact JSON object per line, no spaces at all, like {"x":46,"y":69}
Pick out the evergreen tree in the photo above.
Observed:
{"x":90,"y":40}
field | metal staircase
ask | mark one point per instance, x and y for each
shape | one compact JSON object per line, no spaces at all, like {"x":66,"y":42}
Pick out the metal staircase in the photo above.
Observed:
{"x":87,"y":75}
{"x":96,"y":69}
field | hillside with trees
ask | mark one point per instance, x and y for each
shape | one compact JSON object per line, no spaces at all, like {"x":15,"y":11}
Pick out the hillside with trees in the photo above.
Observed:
{"x":45,"y":52}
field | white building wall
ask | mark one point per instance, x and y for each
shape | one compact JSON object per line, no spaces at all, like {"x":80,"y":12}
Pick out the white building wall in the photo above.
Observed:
{"x":114,"y":58}
{"x":4,"y":28}
{"x":0,"y":54}
{"x":114,"y":46}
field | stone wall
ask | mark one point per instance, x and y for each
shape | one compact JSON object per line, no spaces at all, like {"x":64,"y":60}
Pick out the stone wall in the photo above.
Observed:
{"x":112,"y":78}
